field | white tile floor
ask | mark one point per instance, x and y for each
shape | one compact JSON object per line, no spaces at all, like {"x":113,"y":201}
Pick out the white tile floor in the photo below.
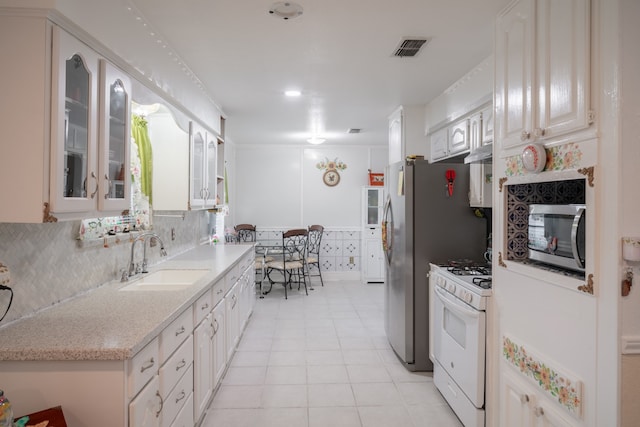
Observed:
{"x":323,"y":360}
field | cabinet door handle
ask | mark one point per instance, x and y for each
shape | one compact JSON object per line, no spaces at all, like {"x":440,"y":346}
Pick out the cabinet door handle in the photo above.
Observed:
{"x":93,"y":175}
{"x":106,"y":195}
{"x":181,"y":365}
{"x":161,"y":404}
{"x":524,"y":399}
{"x":147,"y":365}
{"x":539,"y":411}
{"x":525,"y":135}
{"x":219,"y":292}
{"x":181,"y":396}
{"x":539,"y":132}
{"x":215,"y":326}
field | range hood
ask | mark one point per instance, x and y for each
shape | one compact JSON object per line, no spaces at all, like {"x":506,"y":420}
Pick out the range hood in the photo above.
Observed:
{"x":480,"y":155}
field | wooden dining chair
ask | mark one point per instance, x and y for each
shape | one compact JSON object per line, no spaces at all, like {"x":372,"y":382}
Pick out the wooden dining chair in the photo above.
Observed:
{"x":291,"y":261}
{"x":313,"y":251}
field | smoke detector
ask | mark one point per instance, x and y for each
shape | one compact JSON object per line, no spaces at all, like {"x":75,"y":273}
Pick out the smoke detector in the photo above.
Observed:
{"x":286,"y":10}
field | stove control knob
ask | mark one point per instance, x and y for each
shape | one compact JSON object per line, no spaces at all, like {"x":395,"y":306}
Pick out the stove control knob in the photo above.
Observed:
{"x":467,"y":297}
{"x":451,"y":288}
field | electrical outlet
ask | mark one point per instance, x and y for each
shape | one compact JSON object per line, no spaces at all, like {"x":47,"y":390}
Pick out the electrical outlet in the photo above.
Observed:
{"x":351,"y":261}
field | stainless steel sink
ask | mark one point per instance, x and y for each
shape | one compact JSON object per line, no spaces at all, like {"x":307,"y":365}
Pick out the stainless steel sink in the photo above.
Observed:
{"x":166,"y":280}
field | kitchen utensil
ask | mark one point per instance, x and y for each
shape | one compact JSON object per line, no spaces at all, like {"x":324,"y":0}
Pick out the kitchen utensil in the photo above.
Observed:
{"x":450,"y":174}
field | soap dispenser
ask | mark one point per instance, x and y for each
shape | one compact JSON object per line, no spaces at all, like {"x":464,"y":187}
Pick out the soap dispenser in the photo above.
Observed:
{"x":6,"y":413}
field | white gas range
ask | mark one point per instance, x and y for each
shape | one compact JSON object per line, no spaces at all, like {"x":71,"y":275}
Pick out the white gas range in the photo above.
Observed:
{"x":459,"y":295}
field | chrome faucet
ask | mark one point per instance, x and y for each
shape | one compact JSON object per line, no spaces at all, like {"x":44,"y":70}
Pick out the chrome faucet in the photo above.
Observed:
{"x":141,"y":268}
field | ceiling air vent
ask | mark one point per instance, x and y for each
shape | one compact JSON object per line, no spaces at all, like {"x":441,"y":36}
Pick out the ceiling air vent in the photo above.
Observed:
{"x":354,"y":130}
{"x":410,"y":46}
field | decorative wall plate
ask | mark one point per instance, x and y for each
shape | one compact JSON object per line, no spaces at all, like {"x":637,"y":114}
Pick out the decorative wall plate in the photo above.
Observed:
{"x":331,"y":177}
{"x":534,"y":158}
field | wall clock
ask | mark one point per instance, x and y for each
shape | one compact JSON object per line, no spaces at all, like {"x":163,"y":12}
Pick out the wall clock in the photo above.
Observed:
{"x":331,"y":177}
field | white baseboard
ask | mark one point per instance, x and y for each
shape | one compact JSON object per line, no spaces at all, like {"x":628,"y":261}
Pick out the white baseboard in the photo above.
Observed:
{"x":631,"y":344}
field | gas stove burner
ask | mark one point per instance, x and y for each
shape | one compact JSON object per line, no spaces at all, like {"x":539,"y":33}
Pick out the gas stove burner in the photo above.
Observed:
{"x":472,"y":269}
{"x":483,"y":282}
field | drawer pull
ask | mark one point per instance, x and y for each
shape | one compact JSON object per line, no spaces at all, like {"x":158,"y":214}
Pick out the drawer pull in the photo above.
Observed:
{"x":180,"y":331}
{"x":181,"y":396}
{"x":181,"y":365}
{"x":204,"y":307}
{"x":539,"y":411}
{"x":219,"y":292}
{"x":524,"y":399}
{"x":147,"y":365}
{"x":161,"y":404}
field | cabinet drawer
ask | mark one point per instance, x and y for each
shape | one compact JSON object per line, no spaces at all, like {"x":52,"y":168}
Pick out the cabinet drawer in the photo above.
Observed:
{"x":142,"y":367}
{"x":185,"y":416}
{"x":245,"y":262}
{"x":231,"y":277}
{"x":175,"y":333}
{"x":202,"y":307}
{"x":218,"y":291}
{"x":176,"y":366}
{"x":177,"y":398}
{"x":146,"y":408}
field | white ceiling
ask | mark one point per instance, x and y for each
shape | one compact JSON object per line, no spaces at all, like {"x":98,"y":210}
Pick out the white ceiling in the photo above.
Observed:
{"x":338,"y":53}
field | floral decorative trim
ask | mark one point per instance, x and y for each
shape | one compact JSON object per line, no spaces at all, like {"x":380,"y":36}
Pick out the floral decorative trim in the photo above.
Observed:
{"x":568,"y":393}
{"x":561,"y":157}
{"x":334,"y":164}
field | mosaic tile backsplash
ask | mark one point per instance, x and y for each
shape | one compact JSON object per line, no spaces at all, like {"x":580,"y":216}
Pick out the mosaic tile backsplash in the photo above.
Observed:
{"x":520,"y":196}
{"x":48,"y":264}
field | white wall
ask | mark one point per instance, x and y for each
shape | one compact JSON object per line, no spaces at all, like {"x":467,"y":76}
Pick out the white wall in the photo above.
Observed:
{"x":280,"y":186}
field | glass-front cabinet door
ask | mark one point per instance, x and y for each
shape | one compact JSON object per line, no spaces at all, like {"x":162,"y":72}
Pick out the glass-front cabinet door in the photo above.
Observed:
{"x":374,"y":206}
{"x":198,"y":151}
{"x":114,"y":177}
{"x":74,"y":183}
{"x":212,"y":179}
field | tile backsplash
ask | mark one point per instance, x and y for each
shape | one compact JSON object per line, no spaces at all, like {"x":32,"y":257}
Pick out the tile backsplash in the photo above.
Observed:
{"x":48,"y":264}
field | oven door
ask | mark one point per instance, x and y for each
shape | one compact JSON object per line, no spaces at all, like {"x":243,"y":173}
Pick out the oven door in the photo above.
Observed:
{"x":460,"y":344}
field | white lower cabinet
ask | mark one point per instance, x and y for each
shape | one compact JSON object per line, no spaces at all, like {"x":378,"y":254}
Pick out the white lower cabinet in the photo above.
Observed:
{"x":232,"y":320}
{"x":169,"y":383}
{"x":219,"y":348}
{"x":373,"y":256}
{"x":524,"y":406}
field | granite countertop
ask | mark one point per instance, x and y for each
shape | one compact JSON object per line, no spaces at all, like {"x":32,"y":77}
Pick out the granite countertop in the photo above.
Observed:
{"x":109,"y":324}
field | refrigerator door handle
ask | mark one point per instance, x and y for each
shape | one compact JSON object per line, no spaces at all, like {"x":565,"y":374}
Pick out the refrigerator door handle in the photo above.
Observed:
{"x":387,"y":225}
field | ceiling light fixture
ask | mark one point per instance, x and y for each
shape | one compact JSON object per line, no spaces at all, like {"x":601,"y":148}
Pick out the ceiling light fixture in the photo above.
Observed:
{"x":315,"y":140}
{"x":292,"y":93}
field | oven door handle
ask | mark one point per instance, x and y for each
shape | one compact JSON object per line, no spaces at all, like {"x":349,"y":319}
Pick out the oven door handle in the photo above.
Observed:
{"x":455,"y":306}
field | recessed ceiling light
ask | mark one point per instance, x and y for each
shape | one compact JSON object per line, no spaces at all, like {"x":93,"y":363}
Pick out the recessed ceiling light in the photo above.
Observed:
{"x":292,"y":93}
{"x":315,"y":140}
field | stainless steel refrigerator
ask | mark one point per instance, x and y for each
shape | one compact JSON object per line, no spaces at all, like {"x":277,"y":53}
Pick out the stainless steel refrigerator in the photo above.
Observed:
{"x":427,"y":219}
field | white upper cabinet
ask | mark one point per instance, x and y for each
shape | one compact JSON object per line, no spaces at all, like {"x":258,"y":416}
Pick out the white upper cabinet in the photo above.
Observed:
{"x":438,"y":144}
{"x":115,"y":134}
{"x":407,"y":133}
{"x":458,"y":137}
{"x":74,"y":125}
{"x":203,"y":168}
{"x":542,"y":87}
